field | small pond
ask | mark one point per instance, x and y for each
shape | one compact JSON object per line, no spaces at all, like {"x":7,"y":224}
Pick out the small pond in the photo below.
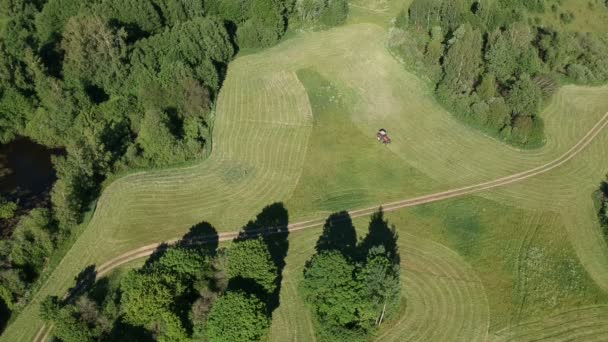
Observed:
{"x":26,"y":173}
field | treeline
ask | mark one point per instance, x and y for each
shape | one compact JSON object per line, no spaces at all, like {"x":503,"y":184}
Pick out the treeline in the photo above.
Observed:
{"x":122,"y":85}
{"x":493,"y":65}
{"x":353,"y":287}
{"x":197,"y":291}
{"x":192,"y":291}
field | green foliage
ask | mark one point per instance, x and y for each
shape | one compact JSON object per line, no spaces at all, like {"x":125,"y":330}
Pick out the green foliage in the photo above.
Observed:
{"x":158,"y":294}
{"x":250,"y":259}
{"x":31,"y":242}
{"x":353,"y":291}
{"x":155,"y":138}
{"x":380,"y":286}
{"x":120,"y":85}
{"x":263,"y":28}
{"x":525,"y":97}
{"x":326,"y":13}
{"x":173,"y":12}
{"x":490,"y":82}
{"x":462,"y":61}
{"x":94,"y":53}
{"x":14,"y":111}
{"x":150,"y":293}
{"x":6,"y":296}
{"x":329,"y":284}
{"x":603,"y":207}
{"x":134,"y":15}
{"x":7,"y":208}
{"x":194,"y":46}
{"x":54,"y":15}
{"x":69,"y":324}
{"x":12,"y":283}
{"x":237,"y":317}
{"x":236,"y":11}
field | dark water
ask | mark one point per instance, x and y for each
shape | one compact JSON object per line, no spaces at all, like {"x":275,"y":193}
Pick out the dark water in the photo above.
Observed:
{"x":26,"y":173}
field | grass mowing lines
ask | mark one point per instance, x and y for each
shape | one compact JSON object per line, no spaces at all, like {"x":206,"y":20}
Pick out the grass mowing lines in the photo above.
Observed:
{"x":523,"y":258}
{"x":292,"y":319}
{"x":570,"y":102}
{"x":580,"y":324}
{"x":356,"y":171}
{"x":432,"y":278}
{"x":155,"y":206}
{"x":444,"y":298}
{"x":431,"y":151}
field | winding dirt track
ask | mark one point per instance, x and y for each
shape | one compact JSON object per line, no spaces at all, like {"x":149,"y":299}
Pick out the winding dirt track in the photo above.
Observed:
{"x":147,"y":250}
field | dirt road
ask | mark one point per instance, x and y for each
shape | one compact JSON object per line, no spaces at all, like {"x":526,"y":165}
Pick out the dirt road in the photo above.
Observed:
{"x":411,"y":202}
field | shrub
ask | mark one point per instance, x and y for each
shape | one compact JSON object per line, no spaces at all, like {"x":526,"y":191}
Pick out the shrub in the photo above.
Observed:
{"x":236,"y":316}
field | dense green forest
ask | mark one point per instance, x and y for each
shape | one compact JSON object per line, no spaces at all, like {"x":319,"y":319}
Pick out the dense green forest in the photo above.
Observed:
{"x":120,"y":85}
{"x":493,"y":64}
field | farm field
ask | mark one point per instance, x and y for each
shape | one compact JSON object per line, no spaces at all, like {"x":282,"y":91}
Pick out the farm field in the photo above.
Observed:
{"x":523,"y":262}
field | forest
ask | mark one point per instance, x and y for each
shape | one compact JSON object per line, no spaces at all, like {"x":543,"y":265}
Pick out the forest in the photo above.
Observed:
{"x":120,"y":85}
{"x":493,"y":64}
{"x":205,"y":292}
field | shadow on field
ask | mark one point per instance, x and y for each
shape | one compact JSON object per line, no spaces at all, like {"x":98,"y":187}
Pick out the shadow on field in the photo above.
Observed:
{"x":271,"y":225}
{"x":380,"y":234}
{"x":157,"y":254}
{"x":201,"y":235}
{"x":84,"y":280}
{"x":338,"y":234}
{"x":5,"y":315}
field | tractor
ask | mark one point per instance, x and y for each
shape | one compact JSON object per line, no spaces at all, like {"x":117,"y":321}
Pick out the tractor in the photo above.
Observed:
{"x":382,"y":137}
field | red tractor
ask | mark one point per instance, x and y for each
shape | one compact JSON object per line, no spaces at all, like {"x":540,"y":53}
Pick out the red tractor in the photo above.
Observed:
{"x":383,"y":137}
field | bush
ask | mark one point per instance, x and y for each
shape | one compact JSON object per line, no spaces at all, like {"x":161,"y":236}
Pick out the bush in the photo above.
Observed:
{"x":580,"y":73}
{"x":250,"y":259}
{"x":335,"y":14}
{"x":7,"y":209}
{"x":254,"y":33}
{"x":31,"y":242}
{"x":236,"y":316}
{"x":263,"y":28}
{"x":325,"y":13}
{"x":525,"y":97}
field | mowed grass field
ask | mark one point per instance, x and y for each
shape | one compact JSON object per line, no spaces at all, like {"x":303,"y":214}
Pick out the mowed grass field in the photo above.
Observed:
{"x":296,"y":123}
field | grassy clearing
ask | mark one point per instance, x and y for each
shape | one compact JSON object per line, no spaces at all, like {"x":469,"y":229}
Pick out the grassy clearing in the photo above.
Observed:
{"x":379,"y":12}
{"x":520,"y":251}
{"x":468,"y":264}
{"x":589,"y":16}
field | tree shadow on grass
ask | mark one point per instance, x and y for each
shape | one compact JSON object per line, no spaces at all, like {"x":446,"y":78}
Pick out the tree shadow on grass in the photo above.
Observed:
{"x":272,"y":225}
{"x":84,"y":280}
{"x":380,"y":234}
{"x":5,"y":315}
{"x":338,"y":234}
{"x":202,"y":235}
{"x":157,"y":254}
{"x":251,"y":287}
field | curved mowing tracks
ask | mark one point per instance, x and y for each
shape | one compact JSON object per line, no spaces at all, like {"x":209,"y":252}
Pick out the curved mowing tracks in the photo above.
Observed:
{"x":249,"y":169}
{"x":446,"y":300}
{"x":468,"y":190}
{"x":585,"y":324}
